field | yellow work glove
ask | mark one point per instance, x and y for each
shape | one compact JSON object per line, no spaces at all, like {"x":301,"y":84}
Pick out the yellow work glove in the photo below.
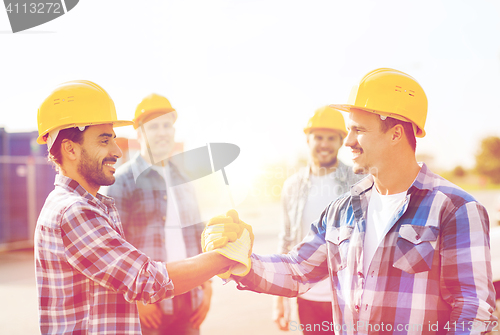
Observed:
{"x":232,"y":238}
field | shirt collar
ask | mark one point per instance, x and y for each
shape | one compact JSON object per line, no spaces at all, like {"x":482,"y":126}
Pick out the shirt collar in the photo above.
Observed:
{"x":72,"y":185}
{"x":139,"y":165}
{"x":423,"y":181}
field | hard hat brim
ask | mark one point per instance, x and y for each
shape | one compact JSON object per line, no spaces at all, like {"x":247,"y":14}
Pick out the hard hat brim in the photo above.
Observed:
{"x":118,"y":123}
{"x":347,"y":108}
{"x":152,"y":114}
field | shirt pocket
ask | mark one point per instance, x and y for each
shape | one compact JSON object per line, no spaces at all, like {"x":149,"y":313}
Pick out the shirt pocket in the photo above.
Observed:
{"x":415,"y":248}
{"x":337,"y":245}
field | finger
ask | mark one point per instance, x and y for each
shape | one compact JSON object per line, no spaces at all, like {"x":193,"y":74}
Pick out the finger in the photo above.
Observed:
{"x":216,"y":243}
{"x":145,"y":321}
{"x":195,"y":320}
{"x":219,"y":219}
{"x":234,"y":215}
{"x":198,"y":317}
{"x":282,"y":324}
{"x":221,"y":228}
{"x":156,"y":319}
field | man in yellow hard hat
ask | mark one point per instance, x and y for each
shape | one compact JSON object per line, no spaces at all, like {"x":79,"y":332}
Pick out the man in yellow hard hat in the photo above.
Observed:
{"x":304,"y":195}
{"x":406,"y":251}
{"x":88,"y":276}
{"x":161,"y":221}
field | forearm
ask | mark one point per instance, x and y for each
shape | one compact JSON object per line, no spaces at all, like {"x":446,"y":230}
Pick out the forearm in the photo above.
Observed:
{"x":283,"y":275}
{"x":192,"y":272}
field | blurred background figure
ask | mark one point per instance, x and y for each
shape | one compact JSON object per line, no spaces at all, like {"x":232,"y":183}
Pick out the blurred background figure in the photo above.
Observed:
{"x":152,"y":215}
{"x":304,"y":195}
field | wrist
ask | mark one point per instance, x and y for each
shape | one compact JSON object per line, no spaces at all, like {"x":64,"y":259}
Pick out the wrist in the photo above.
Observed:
{"x":222,"y":260}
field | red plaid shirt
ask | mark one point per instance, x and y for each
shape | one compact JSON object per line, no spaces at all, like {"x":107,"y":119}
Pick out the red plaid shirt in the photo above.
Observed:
{"x":88,"y":276}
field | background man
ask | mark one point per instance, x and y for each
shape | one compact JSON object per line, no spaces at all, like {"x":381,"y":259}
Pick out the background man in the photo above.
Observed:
{"x":304,"y":195}
{"x":161,"y":221}
{"x":406,"y":251}
{"x":88,"y":275}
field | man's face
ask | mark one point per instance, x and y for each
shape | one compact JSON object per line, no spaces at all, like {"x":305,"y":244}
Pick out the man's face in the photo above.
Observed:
{"x":159,"y":133}
{"x":98,"y":154}
{"x":367,"y":142}
{"x":324,"y":145}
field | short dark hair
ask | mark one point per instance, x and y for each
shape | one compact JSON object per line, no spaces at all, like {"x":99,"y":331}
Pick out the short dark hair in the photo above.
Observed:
{"x":72,"y":134}
{"x":390,"y":122}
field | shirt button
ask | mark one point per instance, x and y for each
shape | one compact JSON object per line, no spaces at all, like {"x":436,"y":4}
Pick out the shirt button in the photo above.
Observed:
{"x":373,"y":273}
{"x":360,"y":273}
{"x":356,"y":307}
{"x":417,"y":237}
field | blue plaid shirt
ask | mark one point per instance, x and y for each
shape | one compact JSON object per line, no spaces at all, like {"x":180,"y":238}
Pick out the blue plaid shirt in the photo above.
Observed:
{"x":431,"y":272}
{"x":141,"y":198}
{"x":88,"y":276}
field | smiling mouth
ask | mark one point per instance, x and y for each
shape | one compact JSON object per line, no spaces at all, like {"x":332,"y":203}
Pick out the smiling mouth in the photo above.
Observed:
{"x":324,"y":153}
{"x":110,"y":165}
{"x":356,"y":152}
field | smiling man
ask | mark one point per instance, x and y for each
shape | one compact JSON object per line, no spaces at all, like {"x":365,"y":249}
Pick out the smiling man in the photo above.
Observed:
{"x":161,"y":221}
{"x":88,"y":276}
{"x":406,"y":251}
{"x":304,"y":195}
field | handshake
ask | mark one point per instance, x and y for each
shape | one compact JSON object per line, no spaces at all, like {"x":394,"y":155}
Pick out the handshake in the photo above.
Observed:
{"x":232,"y":238}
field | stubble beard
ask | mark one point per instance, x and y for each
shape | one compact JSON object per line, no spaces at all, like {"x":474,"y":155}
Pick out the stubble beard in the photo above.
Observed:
{"x":92,"y":171}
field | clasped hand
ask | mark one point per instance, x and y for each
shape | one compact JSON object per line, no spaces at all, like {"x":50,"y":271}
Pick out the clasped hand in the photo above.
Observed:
{"x":232,"y":238}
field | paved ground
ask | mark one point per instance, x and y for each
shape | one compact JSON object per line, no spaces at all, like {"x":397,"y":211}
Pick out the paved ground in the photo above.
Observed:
{"x":232,"y":312}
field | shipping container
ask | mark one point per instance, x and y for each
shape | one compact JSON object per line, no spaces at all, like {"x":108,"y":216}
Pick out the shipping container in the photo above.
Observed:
{"x":26,"y":180}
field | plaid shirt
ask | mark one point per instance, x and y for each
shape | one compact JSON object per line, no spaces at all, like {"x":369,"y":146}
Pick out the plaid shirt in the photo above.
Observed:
{"x":88,"y":276}
{"x":294,"y":198}
{"x":141,"y":198}
{"x":430,"y":274}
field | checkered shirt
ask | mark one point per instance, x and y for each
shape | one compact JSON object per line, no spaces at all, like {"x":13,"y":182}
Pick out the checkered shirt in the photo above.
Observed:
{"x":88,"y":276}
{"x":141,"y":198}
{"x":294,"y":198}
{"x":431,"y":273}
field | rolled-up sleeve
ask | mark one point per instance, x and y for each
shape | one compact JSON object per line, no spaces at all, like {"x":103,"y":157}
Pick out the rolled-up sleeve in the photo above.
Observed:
{"x":293,"y":273}
{"x":96,"y":250}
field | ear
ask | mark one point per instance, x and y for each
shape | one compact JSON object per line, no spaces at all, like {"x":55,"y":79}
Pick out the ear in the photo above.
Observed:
{"x":70,"y":150}
{"x":397,"y":133}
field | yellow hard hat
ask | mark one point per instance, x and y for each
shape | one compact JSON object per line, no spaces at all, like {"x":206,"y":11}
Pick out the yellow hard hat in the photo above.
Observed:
{"x":76,"y":103}
{"x":152,"y":104}
{"x":390,"y":93}
{"x":326,"y":118}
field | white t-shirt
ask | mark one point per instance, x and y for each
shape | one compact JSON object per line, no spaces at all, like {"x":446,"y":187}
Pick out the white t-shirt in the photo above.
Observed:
{"x":381,"y":209}
{"x":174,"y":240}
{"x":323,"y":191}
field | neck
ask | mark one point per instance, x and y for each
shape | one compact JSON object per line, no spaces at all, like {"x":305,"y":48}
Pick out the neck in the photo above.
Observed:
{"x":92,"y":189}
{"x":318,"y":170}
{"x":398,"y":177}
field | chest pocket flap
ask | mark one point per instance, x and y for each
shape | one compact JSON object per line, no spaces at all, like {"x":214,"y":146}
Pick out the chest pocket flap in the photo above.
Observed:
{"x":418,"y":234}
{"x":337,"y":250}
{"x":338,"y":235}
{"x":415,"y":246}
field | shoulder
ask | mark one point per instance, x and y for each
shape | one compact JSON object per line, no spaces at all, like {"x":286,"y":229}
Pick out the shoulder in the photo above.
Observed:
{"x":340,"y":211}
{"x":295,"y":179}
{"x":444,"y":190}
{"x":62,"y":204}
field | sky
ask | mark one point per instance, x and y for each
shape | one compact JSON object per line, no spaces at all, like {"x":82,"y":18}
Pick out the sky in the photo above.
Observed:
{"x":252,"y":72}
